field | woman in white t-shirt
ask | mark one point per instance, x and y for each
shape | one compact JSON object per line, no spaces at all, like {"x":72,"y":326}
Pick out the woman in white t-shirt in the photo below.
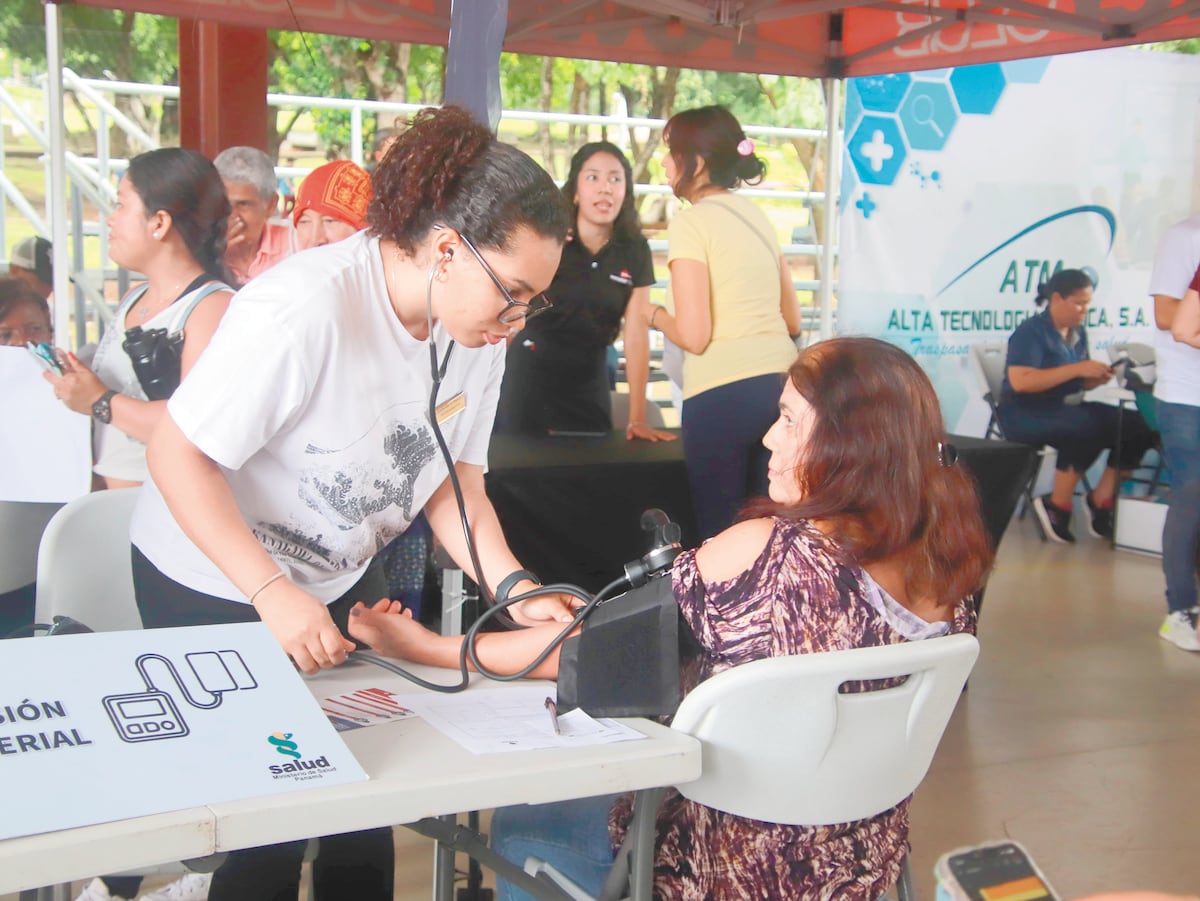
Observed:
{"x":169,"y":223}
{"x":306,"y":438}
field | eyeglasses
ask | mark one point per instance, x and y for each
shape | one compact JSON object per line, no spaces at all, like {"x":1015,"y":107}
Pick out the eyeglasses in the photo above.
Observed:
{"x":18,"y":335}
{"x":514,"y":310}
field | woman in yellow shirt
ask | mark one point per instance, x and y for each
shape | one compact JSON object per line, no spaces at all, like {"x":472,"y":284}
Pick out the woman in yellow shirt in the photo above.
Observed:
{"x":735,"y":310}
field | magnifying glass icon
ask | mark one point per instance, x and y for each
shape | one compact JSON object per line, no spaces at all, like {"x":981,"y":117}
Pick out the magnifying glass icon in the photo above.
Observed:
{"x":922,"y":113}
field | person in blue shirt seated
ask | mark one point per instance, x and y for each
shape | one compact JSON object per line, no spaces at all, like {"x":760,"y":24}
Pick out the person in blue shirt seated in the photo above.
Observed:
{"x":1047,"y":370}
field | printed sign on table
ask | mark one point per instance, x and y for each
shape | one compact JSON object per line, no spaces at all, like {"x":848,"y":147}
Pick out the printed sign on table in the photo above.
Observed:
{"x":106,"y":726}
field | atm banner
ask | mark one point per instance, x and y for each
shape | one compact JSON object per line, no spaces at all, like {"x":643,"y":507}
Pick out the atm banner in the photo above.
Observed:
{"x":964,"y":188}
{"x":111,"y":725}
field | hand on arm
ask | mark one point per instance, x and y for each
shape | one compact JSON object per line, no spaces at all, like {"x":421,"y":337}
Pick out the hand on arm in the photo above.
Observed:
{"x":495,"y":557}
{"x":390,"y":630}
{"x":1030,"y":380}
{"x":202,"y":503}
{"x":637,"y":366}
{"x":1185,"y":327}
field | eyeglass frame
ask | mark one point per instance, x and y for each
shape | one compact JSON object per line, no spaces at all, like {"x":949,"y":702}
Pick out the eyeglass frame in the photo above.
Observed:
{"x":43,"y":334}
{"x":525,"y":310}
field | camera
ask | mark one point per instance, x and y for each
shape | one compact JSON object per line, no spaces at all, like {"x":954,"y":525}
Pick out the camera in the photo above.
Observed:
{"x":156,"y":358}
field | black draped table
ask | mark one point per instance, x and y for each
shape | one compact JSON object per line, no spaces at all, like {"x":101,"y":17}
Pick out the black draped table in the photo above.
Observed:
{"x":571,"y":507}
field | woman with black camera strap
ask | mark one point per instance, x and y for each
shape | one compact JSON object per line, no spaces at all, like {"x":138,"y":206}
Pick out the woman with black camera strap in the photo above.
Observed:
{"x":169,"y":223}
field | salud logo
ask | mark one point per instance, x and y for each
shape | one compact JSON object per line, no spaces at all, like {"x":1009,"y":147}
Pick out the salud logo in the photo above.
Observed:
{"x":297,"y":768}
{"x":284,"y":745}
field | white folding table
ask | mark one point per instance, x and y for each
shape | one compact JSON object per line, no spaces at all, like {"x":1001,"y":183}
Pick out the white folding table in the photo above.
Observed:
{"x":415,"y":773}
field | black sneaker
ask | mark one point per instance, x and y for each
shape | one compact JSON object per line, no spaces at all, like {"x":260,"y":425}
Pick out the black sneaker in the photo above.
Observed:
{"x":1100,"y":523}
{"x":1056,"y":522}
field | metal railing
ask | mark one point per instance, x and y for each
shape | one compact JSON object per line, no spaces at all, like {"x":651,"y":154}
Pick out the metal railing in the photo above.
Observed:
{"x":92,"y":179}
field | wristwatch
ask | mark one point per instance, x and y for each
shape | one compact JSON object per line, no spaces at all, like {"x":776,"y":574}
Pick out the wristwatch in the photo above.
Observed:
{"x":102,"y":409}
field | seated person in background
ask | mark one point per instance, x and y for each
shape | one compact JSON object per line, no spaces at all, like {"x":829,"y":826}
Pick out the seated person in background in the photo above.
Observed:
{"x":24,"y":314}
{"x":254,"y":243}
{"x":33,"y":263}
{"x":331,"y":204}
{"x":871,"y":536}
{"x":1046,"y":372}
{"x":556,"y":375}
{"x":169,"y":223}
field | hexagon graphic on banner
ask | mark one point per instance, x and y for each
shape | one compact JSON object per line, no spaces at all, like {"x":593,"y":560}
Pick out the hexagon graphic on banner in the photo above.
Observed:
{"x":877,"y":150}
{"x":1025,"y":71}
{"x":978,"y":88}
{"x":928,"y":115}
{"x":882,"y":93}
{"x":854,"y":107}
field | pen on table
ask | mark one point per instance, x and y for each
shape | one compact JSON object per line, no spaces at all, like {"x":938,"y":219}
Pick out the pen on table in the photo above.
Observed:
{"x":553,"y":709}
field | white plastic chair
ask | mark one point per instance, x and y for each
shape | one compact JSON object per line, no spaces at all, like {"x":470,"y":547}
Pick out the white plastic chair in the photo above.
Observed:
{"x":21,"y":525}
{"x":83,"y":566}
{"x":987,"y":361}
{"x":782,"y":745}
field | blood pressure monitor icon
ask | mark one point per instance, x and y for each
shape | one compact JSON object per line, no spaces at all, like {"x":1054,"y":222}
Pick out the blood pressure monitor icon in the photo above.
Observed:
{"x":153,"y":715}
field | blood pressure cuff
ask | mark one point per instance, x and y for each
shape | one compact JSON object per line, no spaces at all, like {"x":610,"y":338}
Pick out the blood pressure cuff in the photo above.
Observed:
{"x":625,"y":662}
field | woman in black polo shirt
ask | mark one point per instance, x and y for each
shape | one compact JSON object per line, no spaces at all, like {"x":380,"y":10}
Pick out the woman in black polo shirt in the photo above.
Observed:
{"x":1047,"y":370}
{"x":556,"y":375}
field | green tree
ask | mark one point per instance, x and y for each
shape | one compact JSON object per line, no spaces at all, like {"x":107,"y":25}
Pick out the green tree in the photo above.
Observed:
{"x":328,"y":66}
{"x":101,"y":43}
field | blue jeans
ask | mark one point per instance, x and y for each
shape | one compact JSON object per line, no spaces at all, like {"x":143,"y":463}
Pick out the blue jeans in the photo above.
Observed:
{"x":723,"y":430}
{"x":572,"y":836}
{"x":1179,"y":426}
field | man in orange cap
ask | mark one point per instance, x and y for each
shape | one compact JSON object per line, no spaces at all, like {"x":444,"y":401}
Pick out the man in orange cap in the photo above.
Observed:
{"x":331,"y":204}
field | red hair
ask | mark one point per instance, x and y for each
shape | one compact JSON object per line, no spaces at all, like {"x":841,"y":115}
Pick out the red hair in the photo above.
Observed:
{"x":872,"y":469}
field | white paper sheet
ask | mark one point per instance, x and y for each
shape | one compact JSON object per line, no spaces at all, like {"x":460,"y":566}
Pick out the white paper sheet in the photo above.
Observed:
{"x":45,"y":449}
{"x":486,"y":722}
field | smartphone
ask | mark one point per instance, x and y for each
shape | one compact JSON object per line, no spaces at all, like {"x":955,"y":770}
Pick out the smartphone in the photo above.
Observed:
{"x":46,"y":356}
{"x":999,"y":871}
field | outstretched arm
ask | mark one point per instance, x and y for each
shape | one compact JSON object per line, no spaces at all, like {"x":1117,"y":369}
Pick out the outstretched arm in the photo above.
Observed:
{"x":637,"y":366}
{"x":390,"y":630}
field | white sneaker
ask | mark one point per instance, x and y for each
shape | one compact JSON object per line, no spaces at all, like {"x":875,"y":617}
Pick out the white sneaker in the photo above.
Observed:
{"x":189,"y":887}
{"x":96,"y":890}
{"x":1179,"y":628}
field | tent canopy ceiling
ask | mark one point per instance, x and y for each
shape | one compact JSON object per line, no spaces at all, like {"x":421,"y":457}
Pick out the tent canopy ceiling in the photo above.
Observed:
{"x":784,"y":37}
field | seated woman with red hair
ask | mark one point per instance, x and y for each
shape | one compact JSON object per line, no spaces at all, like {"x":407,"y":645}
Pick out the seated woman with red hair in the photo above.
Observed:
{"x":871,"y":536}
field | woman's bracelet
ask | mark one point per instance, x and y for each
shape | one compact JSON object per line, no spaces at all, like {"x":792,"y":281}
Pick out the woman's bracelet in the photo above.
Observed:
{"x":633,"y":422}
{"x":259,"y":590}
{"x":654,"y":313}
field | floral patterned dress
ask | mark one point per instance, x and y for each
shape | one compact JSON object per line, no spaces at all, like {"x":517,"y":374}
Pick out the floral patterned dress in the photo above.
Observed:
{"x":799,"y":597}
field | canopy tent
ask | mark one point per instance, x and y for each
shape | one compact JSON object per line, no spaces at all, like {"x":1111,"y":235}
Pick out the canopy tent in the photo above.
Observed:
{"x":815,"y":38}
{"x":831,"y":39}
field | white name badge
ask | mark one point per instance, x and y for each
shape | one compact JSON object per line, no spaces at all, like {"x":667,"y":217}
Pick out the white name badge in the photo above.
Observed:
{"x":102,"y":727}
